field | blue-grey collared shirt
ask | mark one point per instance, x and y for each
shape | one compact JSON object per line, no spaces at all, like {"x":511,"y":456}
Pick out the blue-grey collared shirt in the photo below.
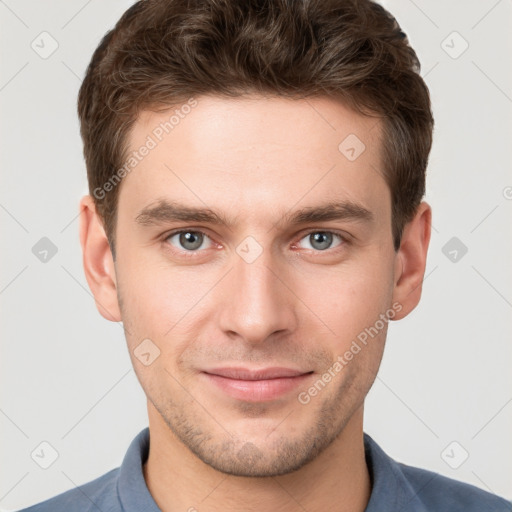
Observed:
{"x":395,"y":487}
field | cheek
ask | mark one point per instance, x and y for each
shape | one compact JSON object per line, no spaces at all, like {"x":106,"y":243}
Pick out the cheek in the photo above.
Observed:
{"x":350,"y":298}
{"x":158,"y":292}
{"x":165,"y":304}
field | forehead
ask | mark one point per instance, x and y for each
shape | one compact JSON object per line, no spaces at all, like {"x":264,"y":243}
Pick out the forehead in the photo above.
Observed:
{"x":255,"y":156}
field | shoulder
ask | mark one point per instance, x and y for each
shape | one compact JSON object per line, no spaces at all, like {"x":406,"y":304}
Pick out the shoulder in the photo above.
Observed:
{"x":438,"y":492}
{"x":398,"y":486}
{"x":119,"y":489}
{"x":99,"y":494}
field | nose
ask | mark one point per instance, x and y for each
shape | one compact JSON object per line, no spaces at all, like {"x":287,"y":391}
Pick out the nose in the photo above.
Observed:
{"x":257,"y":301}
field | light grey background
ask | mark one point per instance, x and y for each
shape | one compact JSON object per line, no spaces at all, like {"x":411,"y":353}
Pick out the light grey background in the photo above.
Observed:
{"x":66,"y":377}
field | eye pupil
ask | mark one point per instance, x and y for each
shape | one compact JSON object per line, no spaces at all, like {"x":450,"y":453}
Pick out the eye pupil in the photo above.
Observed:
{"x":321,"y":239}
{"x":191,"y":240}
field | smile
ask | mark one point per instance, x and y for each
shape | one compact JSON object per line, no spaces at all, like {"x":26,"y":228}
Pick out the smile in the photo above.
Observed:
{"x":256,"y":385}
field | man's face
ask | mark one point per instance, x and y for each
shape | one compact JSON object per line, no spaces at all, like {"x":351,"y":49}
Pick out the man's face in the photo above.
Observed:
{"x":262,"y":292}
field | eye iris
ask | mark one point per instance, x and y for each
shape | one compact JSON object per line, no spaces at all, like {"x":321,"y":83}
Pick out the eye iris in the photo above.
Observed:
{"x":193,"y":239}
{"x":324,"y":240}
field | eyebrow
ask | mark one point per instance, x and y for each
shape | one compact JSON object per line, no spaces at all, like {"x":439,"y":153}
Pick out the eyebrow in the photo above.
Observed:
{"x":170,"y":211}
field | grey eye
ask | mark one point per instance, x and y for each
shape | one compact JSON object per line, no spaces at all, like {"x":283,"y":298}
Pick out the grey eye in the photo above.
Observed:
{"x":321,"y":240}
{"x":188,"y":240}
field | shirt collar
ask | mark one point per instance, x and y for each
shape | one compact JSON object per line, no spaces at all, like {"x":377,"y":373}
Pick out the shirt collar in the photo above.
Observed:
{"x":131,"y":486}
{"x":390,"y":489}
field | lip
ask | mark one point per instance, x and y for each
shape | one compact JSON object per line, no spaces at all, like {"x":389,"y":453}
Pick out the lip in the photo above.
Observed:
{"x":256,"y":385}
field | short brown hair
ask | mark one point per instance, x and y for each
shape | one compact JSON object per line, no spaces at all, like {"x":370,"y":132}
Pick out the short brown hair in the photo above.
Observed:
{"x":162,"y":52}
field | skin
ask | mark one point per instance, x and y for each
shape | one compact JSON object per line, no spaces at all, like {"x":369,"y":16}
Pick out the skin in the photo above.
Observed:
{"x":255,"y":159}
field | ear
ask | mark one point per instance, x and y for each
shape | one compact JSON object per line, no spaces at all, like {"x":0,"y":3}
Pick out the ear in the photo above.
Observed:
{"x":97,"y":260}
{"x":411,"y":259}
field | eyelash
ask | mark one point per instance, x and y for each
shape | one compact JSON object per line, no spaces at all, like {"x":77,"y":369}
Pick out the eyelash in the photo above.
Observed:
{"x":191,"y":254}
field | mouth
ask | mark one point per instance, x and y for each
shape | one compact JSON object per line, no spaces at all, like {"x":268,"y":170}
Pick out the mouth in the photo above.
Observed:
{"x":256,"y":385}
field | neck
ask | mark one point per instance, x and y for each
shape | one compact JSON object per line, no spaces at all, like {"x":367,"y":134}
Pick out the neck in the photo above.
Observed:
{"x":337,"y":479}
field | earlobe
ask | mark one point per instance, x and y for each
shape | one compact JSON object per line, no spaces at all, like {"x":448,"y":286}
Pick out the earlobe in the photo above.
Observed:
{"x":411,"y":260}
{"x":97,"y":261}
